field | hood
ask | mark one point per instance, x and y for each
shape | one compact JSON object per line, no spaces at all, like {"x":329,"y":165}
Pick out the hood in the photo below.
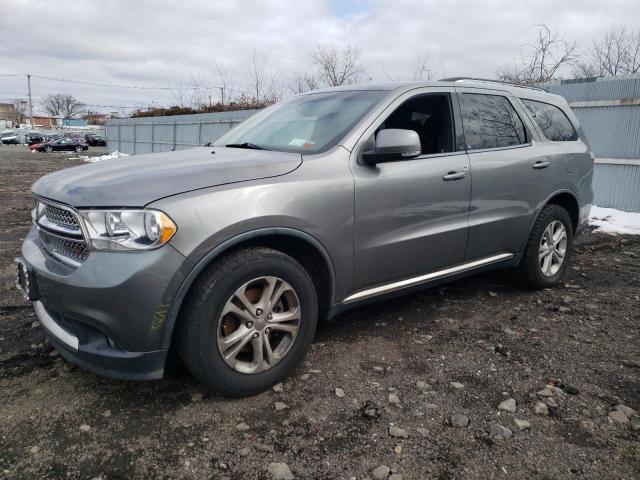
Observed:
{"x":138,"y":180}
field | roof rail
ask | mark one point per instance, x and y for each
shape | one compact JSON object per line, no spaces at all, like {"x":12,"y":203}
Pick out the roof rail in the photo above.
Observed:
{"x":486,"y":80}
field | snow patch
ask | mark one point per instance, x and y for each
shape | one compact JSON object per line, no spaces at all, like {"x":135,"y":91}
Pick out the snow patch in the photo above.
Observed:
{"x":108,"y":156}
{"x":612,"y":221}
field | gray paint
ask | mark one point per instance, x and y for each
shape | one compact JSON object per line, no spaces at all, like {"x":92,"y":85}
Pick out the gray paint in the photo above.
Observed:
{"x":135,"y":182}
{"x":377,"y":224}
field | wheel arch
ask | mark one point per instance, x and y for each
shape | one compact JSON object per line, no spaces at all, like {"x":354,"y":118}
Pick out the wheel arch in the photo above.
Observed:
{"x":569,"y":202}
{"x":563,"y":198}
{"x":300,"y":245}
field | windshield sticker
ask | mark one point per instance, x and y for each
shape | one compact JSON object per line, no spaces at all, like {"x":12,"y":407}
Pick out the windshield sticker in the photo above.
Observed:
{"x":297,"y":142}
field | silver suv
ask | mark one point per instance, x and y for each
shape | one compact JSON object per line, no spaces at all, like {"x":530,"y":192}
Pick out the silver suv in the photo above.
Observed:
{"x":231,"y":253}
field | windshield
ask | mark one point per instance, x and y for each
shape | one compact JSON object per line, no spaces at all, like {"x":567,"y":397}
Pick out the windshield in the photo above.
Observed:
{"x":306,"y":124}
{"x":7,"y":134}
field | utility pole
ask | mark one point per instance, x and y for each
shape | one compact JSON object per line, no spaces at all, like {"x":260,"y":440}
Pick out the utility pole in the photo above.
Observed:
{"x":30,"y":102}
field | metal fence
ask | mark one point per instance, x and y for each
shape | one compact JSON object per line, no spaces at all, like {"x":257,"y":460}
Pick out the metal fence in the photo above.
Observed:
{"x":160,"y":134}
{"x":609,"y":112}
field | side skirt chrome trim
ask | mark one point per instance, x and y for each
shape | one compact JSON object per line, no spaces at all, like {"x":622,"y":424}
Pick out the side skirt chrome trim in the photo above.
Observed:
{"x":410,"y":282}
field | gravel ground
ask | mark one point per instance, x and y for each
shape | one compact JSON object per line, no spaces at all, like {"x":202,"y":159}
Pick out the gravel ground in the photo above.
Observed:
{"x":478,"y":379}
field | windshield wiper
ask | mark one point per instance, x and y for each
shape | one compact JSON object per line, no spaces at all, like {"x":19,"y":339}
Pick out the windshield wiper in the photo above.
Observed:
{"x":251,"y":146}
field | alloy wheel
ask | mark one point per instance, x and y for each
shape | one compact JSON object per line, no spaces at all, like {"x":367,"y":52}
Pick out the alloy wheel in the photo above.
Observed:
{"x":553,"y":248}
{"x":258,"y":325}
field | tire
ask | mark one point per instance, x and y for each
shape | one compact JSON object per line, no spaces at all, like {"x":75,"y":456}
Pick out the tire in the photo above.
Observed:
{"x":79,"y":149}
{"x":535,"y":272}
{"x":202,"y":327}
{"x":48,"y":149}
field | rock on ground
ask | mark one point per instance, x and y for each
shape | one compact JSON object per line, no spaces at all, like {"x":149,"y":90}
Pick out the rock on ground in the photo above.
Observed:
{"x":628,"y":411}
{"x":618,"y":416}
{"x":541,"y":408}
{"x":459,"y":420}
{"x":508,"y":405}
{"x":395,"y":431}
{"x":280,"y":471}
{"x":499,"y":432}
{"x":381,"y":472}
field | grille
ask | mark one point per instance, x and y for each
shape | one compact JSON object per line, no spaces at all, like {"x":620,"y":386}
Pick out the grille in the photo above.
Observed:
{"x":61,"y":217}
{"x":75,"y":250}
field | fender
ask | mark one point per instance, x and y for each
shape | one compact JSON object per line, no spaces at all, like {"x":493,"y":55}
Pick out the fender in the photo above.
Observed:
{"x":539,"y":210}
{"x":222,"y":248}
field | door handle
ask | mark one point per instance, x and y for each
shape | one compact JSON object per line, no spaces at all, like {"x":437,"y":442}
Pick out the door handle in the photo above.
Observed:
{"x":454,"y":176}
{"x":540,"y":164}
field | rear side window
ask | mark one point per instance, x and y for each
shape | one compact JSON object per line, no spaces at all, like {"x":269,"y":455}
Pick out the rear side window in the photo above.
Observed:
{"x":552,"y":121}
{"x":490,"y":121}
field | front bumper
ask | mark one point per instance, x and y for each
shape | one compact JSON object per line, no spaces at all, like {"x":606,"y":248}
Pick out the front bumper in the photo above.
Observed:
{"x":90,"y":349}
{"x":109,"y":314}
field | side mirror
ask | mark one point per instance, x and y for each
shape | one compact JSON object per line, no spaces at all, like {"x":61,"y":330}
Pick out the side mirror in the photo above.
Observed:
{"x":394,"y":144}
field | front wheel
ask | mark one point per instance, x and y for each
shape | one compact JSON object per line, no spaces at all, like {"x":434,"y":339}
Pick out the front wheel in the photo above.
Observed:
{"x":248,"y":321}
{"x":79,"y":149}
{"x":548,"y":249}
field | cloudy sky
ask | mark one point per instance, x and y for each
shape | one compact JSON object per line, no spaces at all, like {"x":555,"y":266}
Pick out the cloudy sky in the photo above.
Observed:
{"x":152,"y":43}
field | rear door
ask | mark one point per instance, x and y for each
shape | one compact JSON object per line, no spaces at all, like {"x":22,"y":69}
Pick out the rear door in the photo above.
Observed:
{"x":411,"y":215}
{"x":511,"y":175}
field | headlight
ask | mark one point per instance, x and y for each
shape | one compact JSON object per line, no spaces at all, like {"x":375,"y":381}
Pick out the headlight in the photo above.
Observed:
{"x":127,"y":229}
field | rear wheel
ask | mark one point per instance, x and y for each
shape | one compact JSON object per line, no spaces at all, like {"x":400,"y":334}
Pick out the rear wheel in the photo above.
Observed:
{"x":248,"y":321}
{"x":548,"y":249}
{"x":48,"y":149}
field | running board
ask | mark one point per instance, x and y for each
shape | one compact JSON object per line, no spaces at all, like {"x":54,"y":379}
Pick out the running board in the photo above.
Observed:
{"x":410,"y":282}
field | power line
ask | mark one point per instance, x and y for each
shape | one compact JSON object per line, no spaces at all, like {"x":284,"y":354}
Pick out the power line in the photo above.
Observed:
{"x":112,"y":85}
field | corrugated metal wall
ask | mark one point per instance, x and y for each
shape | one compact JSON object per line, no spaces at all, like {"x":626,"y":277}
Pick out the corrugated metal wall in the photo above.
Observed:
{"x":617,"y":186}
{"x":609,"y":112}
{"x":161,"y":134}
{"x":613,"y":132}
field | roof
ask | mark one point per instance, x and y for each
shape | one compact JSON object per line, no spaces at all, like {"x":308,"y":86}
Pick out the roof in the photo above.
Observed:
{"x":523,"y":91}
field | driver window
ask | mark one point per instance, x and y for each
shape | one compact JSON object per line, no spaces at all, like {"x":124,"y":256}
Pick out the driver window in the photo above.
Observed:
{"x":430,"y":117}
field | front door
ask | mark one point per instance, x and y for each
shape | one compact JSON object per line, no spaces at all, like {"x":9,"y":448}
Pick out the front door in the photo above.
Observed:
{"x":411,"y":216}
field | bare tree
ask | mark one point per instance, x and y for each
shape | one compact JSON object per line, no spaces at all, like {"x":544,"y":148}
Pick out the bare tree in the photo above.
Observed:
{"x":264,"y":85}
{"x":21,"y":111}
{"x":421,"y":68}
{"x":305,"y":81}
{"x":179,"y":92}
{"x":616,"y":53}
{"x":64,"y":105}
{"x":200,"y":92}
{"x":338,"y":67}
{"x":633,"y":57}
{"x":583,"y":69}
{"x":540,"y":60}
{"x":226,"y":77}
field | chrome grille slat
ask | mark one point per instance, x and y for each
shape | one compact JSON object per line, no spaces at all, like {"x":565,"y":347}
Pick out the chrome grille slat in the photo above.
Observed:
{"x":75,"y":250}
{"x":61,"y":234}
{"x":61,"y":217}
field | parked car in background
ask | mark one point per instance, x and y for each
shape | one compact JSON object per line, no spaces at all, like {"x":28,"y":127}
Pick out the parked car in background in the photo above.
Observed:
{"x":327,"y":200}
{"x":61,"y":145}
{"x":48,"y":137}
{"x":95,"y":140}
{"x":33,"y":138}
{"x":9,"y":137}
